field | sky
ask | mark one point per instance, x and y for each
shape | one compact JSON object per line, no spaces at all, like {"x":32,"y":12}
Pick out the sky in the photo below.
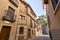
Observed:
{"x":37,"y":7}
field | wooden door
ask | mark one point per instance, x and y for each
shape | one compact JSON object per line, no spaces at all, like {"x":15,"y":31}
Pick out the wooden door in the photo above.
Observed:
{"x":28,"y":33}
{"x":5,"y":32}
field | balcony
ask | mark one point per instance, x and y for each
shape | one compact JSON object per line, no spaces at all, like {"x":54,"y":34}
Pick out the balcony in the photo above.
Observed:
{"x":9,"y":15}
{"x":14,"y":2}
{"x":8,"y":19}
{"x":5,"y":18}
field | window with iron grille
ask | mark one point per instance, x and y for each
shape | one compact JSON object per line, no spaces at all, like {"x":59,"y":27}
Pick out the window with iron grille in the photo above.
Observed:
{"x":54,"y":3}
{"x":22,"y":17}
{"x":30,"y":22}
{"x":10,"y":13}
{"x":21,"y":30}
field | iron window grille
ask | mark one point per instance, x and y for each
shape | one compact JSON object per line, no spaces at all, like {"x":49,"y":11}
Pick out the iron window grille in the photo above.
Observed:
{"x":21,"y":30}
{"x":9,"y":15}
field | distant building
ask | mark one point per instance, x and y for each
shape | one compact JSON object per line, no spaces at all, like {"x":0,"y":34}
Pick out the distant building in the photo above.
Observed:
{"x":17,"y":20}
{"x":53,"y":16}
{"x":38,"y":28}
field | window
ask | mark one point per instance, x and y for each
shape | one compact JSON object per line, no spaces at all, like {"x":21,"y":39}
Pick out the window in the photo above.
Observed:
{"x":22,"y":17}
{"x":15,"y":2}
{"x":34,"y":24}
{"x":21,"y":30}
{"x":10,"y":13}
{"x":26,"y":8}
{"x":32,"y":12}
{"x":30,"y":22}
{"x":54,"y":3}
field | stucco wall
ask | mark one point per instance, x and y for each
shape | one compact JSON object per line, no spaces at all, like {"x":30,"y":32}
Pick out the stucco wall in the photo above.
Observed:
{"x":55,"y":21}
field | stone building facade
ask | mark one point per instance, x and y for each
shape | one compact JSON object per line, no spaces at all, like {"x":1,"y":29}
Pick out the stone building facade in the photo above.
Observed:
{"x":53,"y":16}
{"x":8,"y":19}
{"x":38,"y":28}
{"x":26,"y":21}
{"x":15,"y":22}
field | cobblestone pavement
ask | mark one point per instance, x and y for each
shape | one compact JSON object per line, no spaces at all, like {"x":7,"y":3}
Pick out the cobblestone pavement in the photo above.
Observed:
{"x":43,"y":37}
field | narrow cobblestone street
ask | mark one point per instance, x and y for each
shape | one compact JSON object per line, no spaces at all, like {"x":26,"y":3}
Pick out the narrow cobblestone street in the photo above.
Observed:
{"x":43,"y":37}
{"x":29,"y":19}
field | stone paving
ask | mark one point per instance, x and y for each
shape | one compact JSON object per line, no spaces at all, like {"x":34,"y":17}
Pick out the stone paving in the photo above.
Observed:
{"x":43,"y":37}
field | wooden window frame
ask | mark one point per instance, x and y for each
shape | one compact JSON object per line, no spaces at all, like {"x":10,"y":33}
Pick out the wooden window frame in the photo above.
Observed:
{"x":22,"y":17}
{"x":56,"y":6}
